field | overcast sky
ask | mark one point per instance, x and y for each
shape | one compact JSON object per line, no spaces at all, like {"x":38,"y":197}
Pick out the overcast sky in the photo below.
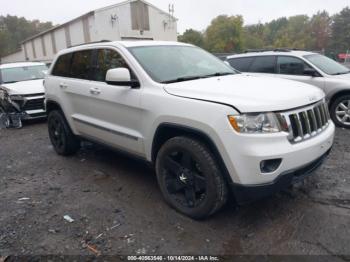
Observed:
{"x":195,"y":14}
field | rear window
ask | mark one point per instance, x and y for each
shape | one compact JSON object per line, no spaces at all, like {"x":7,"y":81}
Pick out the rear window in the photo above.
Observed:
{"x":62,"y":66}
{"x":263,"y":64}
{"x":241,"y":64}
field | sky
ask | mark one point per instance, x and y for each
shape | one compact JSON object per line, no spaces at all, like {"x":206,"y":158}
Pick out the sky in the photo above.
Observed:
{"x":196,"y":14}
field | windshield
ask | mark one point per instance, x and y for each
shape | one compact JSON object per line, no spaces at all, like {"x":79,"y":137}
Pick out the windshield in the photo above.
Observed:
{"x":24,"y":73}
{"x":327,"y":65}
{"x":168,"y":64}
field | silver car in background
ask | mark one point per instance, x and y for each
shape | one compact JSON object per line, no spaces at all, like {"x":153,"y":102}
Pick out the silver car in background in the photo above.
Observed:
{"x":308,"y":67}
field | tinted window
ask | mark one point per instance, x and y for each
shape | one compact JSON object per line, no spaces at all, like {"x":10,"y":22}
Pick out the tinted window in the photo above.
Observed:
{"x":62,"y":66}
{"x":108,"y":59}
{"x":263,"y":64}
{"x":82,"y":64}
{"x":288,"y":65}
{"x":241,"y":64}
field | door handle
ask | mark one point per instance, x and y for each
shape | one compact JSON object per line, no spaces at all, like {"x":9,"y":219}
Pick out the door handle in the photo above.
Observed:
{"x":95,"y":91}
{"x":63,"y":86}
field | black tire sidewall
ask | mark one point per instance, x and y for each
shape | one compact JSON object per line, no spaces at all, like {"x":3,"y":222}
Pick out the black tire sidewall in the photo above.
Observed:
{"x":333,"y":108}
{"x":70,"y":143}
{"x":209,"y":168}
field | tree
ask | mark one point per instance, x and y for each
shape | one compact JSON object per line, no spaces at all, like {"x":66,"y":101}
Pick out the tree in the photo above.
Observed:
{"x":192,"y":37}
{"x":225,"y":34}
{"x":341,"y":31}
{"x":13,"y":30}
{"x":253,"y":37}
{"x":320,"y":29}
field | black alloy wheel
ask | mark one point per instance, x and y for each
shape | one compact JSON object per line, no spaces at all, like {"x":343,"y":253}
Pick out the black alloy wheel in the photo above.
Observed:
{"x":189,"y":178}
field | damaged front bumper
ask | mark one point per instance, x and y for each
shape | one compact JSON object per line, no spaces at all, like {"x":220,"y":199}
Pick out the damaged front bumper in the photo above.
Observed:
{"x":15,"y":108}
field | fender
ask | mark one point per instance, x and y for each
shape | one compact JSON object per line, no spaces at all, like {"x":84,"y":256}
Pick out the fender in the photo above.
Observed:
{"x":166,"y":131}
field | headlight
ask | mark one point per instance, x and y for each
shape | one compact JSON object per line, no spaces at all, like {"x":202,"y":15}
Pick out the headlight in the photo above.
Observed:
{"x":258,"y":123}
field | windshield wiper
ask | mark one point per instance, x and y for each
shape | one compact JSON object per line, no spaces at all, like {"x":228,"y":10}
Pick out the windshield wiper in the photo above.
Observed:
{"x":31,"y":79}
{"x":188,"y":78}
{"x":219,"y":74}
{"x":10,"y":82}
{"x":182,"y":79}
{"x":341,"y":73}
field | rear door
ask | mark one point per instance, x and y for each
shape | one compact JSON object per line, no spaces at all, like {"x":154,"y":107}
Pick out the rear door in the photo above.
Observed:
{"x":263,"y":65}
{"x":114,"y":112}
{"x":76,"y":83}
{"x":293,"y":68}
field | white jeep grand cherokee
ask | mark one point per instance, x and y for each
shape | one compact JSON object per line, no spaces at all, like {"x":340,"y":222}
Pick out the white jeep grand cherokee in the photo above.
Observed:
{"x":208,"y":129}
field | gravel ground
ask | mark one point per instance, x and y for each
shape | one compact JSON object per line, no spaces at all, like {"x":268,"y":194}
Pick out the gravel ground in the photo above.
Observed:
{"x":118,"y":209}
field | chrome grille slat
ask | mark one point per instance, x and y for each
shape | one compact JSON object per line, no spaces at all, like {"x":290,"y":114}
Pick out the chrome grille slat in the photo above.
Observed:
{"x":308,"y":122}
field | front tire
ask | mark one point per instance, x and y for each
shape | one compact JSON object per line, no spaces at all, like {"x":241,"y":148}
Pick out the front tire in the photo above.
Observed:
{"x":189,"y":178}
{"x":62,"y":138}
{"x":340,"y":111}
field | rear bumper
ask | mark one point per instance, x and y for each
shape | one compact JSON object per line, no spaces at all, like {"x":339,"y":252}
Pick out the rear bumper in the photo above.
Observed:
{"x":247,"y":194}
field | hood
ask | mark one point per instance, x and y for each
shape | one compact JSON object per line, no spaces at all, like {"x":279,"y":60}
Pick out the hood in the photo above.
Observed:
{"x":25,"y":87}
{"x":249,"y":93}
{"x":345,"y":77}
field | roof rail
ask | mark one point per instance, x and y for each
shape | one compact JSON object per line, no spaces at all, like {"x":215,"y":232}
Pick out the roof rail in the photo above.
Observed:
{"x":95,"y":42}
{"x":268,"y":50}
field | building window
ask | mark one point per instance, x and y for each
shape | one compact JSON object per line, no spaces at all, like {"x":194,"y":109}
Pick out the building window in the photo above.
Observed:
{"x":139,"y":16}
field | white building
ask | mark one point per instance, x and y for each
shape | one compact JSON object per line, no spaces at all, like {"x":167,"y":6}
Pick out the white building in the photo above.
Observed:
{"x":130,"y":20}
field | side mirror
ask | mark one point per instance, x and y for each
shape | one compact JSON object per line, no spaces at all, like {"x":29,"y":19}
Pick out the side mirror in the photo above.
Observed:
{"x":227,"y":63}
{"x":121,"y":77}
{"x":310,"y":72}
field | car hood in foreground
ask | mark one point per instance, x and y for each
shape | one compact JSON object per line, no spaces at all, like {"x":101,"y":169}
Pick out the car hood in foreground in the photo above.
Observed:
{"x":25,"y":87}
{"x":249,"y":93}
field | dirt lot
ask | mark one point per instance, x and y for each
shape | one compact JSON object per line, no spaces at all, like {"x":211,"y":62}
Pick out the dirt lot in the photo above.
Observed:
{"x":118,"y":209}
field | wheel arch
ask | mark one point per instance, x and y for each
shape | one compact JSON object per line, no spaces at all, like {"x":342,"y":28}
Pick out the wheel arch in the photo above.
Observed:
{"x":52,"y":105}
{"x":338,"y":94}
{"x":166,"y":131}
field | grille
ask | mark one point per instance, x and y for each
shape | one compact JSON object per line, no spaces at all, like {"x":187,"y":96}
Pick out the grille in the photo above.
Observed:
{"x":34,"y":104}
{"x":307,"y":122}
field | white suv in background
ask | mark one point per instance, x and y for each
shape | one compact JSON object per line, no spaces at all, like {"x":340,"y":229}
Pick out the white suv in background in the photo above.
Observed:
{"x":207,"y":129}
{"x":311,"y":68}
{"x":22,"y":90}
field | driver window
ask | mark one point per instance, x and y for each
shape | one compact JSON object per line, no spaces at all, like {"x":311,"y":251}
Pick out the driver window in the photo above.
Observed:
{"x":108,"y":59}
{"x":287,"y":65}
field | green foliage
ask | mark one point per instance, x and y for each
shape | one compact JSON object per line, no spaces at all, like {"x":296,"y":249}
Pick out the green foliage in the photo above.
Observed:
{"x":225,"y":34}
{"x":191,"y":36}
{"x":341,"y":31}
{"x":13,"y":30}
{"x":321,"y":32}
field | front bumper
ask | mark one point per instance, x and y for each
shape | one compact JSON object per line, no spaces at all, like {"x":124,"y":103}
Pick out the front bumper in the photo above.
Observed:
{"x":247,"y":194}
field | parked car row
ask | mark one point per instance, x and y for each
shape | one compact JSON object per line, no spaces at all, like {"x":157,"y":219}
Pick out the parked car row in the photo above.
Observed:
{"x":210,"y":131}
{"x":307,"y":67}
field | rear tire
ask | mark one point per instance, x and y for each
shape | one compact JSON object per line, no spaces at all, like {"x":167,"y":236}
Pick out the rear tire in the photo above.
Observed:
{"x":340,"y":111}
{"x":62,"y":138}
{"x":189,"y":178}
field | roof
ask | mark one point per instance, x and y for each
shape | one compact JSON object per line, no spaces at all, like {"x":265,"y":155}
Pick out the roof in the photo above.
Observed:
{"x":148,"y":43}
{"x":89,"y":14}
{"x":20,"y":64}
{"x":273,"y":53}
{"x":125,"y":44}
